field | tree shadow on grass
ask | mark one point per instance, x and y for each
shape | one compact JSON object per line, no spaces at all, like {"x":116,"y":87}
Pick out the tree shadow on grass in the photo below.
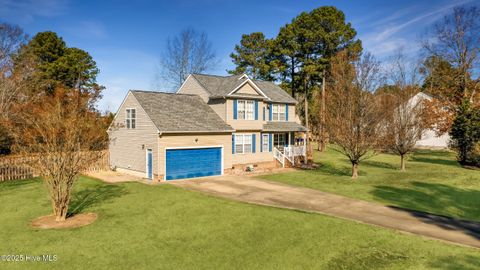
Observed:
{"x":436,"y":198}
{"x":469,"y":227}
{"x":378,"y":164}
{"x":331,"y":169}
{"x":90,"y":197}
{"x":15,"y":184}
{"x":466,"y":262}
{"x":434,"y":153}
{"x":434,"y":157}
{"x":437,"y":161}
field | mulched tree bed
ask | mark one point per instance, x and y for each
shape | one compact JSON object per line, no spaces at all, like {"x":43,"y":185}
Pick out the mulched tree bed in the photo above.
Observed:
{"x":78,"y":220}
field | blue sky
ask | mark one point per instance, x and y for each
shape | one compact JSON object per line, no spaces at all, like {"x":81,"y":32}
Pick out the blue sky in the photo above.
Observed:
{"x":126,"y":37}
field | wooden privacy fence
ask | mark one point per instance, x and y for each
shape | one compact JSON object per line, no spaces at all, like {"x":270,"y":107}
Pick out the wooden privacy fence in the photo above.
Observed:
{"x":16,"y":167}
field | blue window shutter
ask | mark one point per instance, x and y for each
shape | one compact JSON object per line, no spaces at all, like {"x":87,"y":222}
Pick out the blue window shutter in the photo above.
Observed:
{"x":233,"y":143}
{"x":261,"y":142}
{"x":271,"y":112}
{"x":234,"y":109}
{"x":270,"y":142}
{"x":253,"y":142}
{"x":264,"y":113}
{"x":256,"y":109}
{"x":286,"y":112}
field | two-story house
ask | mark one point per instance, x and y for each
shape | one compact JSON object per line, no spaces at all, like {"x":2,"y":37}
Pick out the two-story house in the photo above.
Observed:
{"x":211,"y":126}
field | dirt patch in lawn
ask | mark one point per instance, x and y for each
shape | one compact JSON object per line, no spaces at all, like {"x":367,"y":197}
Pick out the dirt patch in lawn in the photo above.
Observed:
{"x":79,"y":220}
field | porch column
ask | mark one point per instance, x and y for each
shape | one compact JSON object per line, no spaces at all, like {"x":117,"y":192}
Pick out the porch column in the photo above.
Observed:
{"x":289,"y":139}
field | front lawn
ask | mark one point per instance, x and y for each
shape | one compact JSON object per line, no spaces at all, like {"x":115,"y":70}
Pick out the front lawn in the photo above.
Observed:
{"x":433,"y":182}
{"x":165,"y":227}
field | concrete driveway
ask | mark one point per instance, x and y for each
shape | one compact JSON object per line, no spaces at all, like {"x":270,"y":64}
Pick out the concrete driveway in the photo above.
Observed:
{"x":250,"y":190}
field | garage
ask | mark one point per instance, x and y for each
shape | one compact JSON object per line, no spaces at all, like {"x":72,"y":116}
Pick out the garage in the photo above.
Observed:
{"x":193,"y":162}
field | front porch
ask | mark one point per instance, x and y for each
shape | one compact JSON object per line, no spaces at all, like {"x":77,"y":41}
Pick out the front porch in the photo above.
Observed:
{"x":287,"y":146}
{"x":288,"y":140}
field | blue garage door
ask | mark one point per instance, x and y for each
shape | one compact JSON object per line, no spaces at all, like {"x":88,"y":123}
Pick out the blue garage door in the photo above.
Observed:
{"x":189,"y":163}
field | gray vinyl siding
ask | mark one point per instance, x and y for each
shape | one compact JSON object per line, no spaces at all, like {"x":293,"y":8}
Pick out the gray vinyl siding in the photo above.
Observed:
{"x":193,"y":87}
{"x":126,"y":144}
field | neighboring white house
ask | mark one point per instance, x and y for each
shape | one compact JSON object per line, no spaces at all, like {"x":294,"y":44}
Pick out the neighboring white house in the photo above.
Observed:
{"x":429,"y":138}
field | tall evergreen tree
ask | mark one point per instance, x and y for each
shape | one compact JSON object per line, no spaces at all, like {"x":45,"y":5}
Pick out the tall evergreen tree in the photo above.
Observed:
{"x":304,"y":49}
{"x":56,"y":65}
{"x":253,"y":57}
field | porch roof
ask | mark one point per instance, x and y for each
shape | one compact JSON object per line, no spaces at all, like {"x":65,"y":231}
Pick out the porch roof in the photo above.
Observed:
{"x":283,"y":126}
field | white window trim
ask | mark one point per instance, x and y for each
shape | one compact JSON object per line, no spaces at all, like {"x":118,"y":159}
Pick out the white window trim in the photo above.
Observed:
{"x":276,"y":115}
{"x":246,"y":109}
{"x":243,"y":143}
{"x":130,"y":118}
{"x":146,"y":163}
{"x":265,"y":142}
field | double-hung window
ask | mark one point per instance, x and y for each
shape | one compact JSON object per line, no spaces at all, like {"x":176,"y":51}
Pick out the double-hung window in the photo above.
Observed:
{"x":243,"y":143}
{"x":130,"y":118}
{"x":278,"y":112}
{"x":246,"y":109}
{"x":279,"y":140}
{"x":265,"y":143}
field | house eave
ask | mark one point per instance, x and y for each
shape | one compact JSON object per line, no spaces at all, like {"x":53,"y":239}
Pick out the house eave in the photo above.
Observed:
{"x":195,"y":131}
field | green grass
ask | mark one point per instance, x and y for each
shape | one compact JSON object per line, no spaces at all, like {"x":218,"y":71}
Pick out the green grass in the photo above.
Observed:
{"x":164,"y":227}
{"x":433,"y":182}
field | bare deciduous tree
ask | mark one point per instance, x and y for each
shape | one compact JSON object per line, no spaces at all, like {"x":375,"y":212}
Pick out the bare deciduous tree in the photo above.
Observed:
{"x":354,"y":117}
{"x":63,"y":133}
{"x":453,"y":48}
{"x":188,"y":52}
{"x":11,"y":38}
{"x":403,"y":110}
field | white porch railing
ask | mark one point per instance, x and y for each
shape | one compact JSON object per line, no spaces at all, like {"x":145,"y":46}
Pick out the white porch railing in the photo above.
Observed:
{"x":293,"y":151}
{"x":279,"y":156}
{"x":289,"y":153}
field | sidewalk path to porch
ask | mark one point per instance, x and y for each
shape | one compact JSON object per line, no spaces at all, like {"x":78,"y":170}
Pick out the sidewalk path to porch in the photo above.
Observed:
{"x":250,"y":190}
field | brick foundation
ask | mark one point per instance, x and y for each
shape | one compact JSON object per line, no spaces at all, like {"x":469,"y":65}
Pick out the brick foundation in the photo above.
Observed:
{"x":257,"y":167}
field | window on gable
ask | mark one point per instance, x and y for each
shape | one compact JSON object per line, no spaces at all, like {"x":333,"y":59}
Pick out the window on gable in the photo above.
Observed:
{"x":243,"y":143}
{"x":130,"y":118}
{"x":278,"y":112}
{"x":246,"y":109}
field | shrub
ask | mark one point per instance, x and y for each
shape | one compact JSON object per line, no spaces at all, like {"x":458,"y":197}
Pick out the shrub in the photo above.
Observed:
{"x":465,"y":135}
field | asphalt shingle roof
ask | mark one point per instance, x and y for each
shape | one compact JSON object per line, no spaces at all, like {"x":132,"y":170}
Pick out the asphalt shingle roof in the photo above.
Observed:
{"x":283,"y":126}
{"x":180,"y":112}
{"x":223,"y":85}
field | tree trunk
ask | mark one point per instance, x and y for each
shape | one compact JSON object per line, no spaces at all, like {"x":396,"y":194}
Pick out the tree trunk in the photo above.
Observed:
{"x":354,"y":170}
{"x":319,"y":140}
{"x":307,"y":144}
{"x":322,"y":116}
{"x":402,"y":163}
{"x":60,"y":212}
{"x":293,"y":79}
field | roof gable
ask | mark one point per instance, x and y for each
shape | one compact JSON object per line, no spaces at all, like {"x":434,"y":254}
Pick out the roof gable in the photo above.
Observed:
{"x":224,"y":86}
{"x":247,"y":83}
{"x":122,"y":108}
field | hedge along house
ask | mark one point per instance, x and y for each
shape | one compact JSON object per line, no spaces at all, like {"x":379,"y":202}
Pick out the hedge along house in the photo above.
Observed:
{"x":211,"y":126}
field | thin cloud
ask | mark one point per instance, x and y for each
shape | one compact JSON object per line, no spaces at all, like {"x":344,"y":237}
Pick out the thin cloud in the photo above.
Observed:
{"x":387,"y":39}
{"x":24,"y":11}
{"x":88,"y":29}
